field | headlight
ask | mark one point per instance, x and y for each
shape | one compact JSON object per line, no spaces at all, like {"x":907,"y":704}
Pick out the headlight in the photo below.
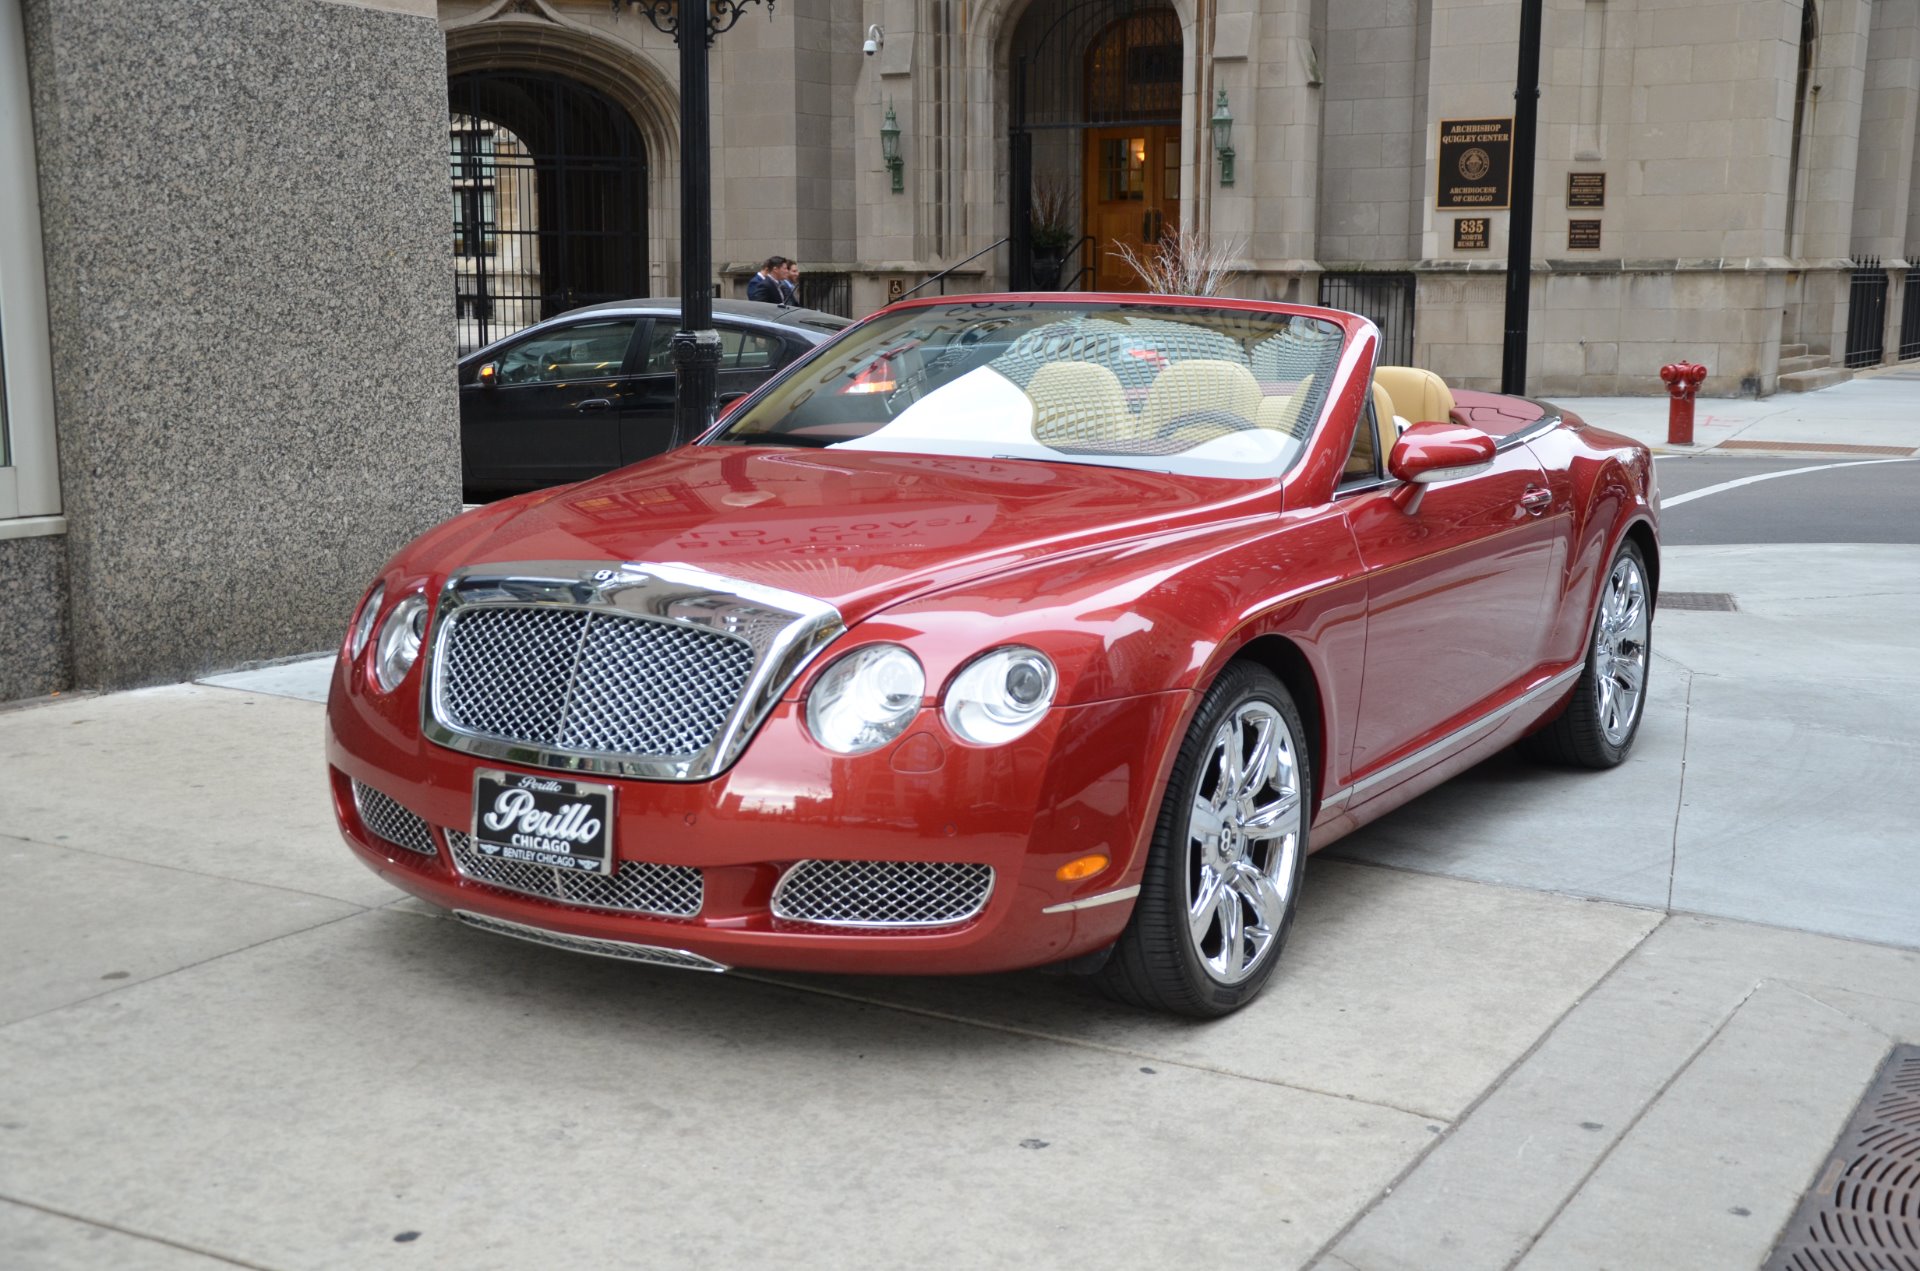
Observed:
{"x":1000,"y":696}
{"x":399,"y":644}
{"x":363,"y":622}
{"x":865,"y":699}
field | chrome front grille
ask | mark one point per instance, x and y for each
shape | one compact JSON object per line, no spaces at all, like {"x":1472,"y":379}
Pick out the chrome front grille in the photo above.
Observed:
{"x":586,"y":681}
{"x":388,"y":821}
{"x":639,"y":887}
{"x":882,"y":893}
{"x":646,"y":953}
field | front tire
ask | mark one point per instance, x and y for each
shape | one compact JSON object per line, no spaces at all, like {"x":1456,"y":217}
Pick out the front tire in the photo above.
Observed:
{"x":1596,"y":728}
{"x":1230,"y":847}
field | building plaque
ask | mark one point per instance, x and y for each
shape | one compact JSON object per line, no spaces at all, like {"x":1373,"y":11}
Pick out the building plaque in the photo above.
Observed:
{"x":1583,"y":236}
{"x":1586,"y":189}
{"x":1469,"y":233}
{"x":1476,"y":164}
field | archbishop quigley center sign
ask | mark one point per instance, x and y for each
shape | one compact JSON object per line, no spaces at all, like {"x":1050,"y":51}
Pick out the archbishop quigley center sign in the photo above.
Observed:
{"x":1476,"y":164}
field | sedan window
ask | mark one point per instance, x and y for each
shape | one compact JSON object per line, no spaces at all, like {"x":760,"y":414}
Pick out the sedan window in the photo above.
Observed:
{"x":587,"y":350}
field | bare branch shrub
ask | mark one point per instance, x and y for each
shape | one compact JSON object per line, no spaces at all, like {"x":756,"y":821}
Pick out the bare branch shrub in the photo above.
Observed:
{"x":1183,"y":263}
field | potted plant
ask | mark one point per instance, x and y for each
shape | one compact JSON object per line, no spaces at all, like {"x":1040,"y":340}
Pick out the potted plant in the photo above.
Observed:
{"x":1051,"y":228}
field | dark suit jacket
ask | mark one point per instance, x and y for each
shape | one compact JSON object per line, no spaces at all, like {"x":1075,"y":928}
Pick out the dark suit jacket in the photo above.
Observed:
{"x":771,"y":290}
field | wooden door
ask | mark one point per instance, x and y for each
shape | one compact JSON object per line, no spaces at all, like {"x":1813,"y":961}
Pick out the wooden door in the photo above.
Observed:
{"x":1132,"y":196}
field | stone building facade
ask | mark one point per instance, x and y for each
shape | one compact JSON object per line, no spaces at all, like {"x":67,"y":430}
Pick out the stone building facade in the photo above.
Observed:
{"x":230,"y":286}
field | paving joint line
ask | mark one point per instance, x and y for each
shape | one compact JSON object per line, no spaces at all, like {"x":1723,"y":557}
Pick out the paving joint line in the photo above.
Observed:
{"x":1331,"y":1247}
{"x":1082,"y":1043}
{"x":97,"y":854}
{"x":1606,"y":1154}
{"x":1680,"y":795}
{"x":173,"y":971}
{"x":135,"y":1234}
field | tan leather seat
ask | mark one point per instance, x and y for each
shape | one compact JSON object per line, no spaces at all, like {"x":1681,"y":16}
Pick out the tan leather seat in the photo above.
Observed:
{"x":1199,"y":388}
{"x":1417,"y":395}
{"x":1079,"y":406}
{"x":1371,"y":441}
{"x":1282,"y":414}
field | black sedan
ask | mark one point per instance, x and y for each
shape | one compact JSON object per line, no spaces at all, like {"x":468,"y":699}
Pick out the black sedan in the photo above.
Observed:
{"x":592,"y":390}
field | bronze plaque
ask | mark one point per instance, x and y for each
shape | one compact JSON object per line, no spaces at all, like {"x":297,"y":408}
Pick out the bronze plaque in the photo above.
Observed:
{"x":1469,"y":233}
{"x":1476,"y":164}
{"x":1586,"y":189}
{"x":1583,"y":236}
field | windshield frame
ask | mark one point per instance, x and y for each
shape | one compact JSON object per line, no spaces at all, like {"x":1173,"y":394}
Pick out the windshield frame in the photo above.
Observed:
{"x":1352,"y":329}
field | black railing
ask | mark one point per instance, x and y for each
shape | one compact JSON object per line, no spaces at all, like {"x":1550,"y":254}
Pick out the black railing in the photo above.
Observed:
{"x":1910,"y":317}
{"x":829,"y":293}
{"x":1387,"y":299}
{"x":1867,"y":314}
{"x":941,"y":277}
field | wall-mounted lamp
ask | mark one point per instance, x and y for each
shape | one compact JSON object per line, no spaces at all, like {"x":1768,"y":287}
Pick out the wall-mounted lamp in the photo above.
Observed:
{"x":890,"y":148}
{"x":1223,"y":137}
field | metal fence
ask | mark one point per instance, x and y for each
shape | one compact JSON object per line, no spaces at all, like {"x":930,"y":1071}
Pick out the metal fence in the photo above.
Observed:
{"x":1910,"y":318}
{"x":1867,"y":314}
{"x":1385,"y":298}
{"x":829,"y":293}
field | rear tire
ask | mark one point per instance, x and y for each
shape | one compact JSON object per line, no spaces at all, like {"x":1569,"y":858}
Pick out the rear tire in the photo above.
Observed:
{"x":1596,"y":727}
{"x":1223,"y":873}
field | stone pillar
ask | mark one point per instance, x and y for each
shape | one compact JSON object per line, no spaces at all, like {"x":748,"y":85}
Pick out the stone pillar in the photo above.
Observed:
{"x":249,"y":296}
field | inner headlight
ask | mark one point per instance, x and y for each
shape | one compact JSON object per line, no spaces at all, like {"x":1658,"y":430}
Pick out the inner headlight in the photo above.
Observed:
{"x":865,"y":699}
{"x":399,"y":644}
{"x":1000,"y":696}
{"x":363,"y":621}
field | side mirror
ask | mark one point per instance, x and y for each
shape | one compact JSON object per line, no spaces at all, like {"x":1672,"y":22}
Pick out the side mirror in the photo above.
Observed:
{"x":488,"y":375}
{"x":1431,"y":451}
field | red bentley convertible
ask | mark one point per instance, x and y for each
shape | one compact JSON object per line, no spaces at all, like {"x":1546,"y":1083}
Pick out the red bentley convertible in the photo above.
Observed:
{"x":997,"y":632}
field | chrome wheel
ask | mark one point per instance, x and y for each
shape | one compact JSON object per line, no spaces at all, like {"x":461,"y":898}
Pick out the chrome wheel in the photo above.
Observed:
{"x":1620,"y":650}
{"x":1243,"y":841}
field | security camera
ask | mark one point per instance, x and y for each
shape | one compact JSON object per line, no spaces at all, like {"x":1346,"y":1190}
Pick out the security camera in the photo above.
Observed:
{"x":875,"y":38}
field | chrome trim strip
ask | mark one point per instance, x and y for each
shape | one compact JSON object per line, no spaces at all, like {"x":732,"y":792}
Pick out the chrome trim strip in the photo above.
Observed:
{"x":785,"y":630}
{"x":1436,"y":750}
{"x":651,"y":955}
{"x":1093,"y":902}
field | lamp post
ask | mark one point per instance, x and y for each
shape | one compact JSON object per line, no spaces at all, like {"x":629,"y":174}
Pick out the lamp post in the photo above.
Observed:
{"x":1222,"y":123}
{"x":696,"y":345}
{"x":890,"y":148}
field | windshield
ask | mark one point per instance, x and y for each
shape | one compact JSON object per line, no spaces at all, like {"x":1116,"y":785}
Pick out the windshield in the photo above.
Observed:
{"x":1166,"y":388}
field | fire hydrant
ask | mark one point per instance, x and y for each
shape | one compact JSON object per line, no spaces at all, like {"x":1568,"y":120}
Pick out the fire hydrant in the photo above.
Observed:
{"x":1683,"y":380}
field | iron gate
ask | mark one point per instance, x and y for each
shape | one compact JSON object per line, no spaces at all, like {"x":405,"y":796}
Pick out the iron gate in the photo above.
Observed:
{"x":1386,"y":299}
{"x":1058,"y":92}
{"x":1867,"y":314}
{"x":1910,"y":317}
{"x":549,"y":201}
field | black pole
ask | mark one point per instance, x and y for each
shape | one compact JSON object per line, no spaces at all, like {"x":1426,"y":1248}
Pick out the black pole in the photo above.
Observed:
{"x":1020,"y":196}
{"x":1526,"y":108}
{"x":696,"y":345}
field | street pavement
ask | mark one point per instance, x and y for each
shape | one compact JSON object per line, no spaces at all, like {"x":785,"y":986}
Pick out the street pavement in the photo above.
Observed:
{"x":1536,"y":1019}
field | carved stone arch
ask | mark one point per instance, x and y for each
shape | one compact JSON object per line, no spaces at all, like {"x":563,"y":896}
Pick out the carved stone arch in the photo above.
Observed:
{"x":532,"y":36}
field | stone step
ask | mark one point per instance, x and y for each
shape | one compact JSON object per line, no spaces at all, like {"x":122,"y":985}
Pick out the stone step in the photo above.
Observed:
{"x":1792,"y":350}
{"x":1808,"y":381}
{"x":1804,"y":362}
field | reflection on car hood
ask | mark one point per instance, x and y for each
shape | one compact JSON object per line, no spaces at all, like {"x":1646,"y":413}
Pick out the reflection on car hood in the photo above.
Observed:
{"x":859,"y":531}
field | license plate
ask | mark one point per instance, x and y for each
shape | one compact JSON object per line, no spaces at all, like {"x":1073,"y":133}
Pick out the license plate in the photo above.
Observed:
{"x":543,"y":821}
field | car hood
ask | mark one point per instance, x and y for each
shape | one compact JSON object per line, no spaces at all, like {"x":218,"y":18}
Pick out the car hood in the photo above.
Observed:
{"x":859,"y":530}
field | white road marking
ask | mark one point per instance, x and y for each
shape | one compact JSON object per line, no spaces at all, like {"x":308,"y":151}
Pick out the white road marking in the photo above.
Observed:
{"x":1724,"y":486}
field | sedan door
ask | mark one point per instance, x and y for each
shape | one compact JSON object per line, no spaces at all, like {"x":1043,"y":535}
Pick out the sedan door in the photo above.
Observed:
{"x":1456,"y":608}
{"x":748,"y":356}
{"x":552,"y":412}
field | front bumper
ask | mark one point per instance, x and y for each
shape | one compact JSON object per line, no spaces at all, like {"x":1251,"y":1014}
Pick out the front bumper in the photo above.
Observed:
{"x":1086,"y":781}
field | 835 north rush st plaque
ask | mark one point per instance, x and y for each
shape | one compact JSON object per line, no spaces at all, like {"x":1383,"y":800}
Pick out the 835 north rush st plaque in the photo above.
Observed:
{"x":1476,"y":164}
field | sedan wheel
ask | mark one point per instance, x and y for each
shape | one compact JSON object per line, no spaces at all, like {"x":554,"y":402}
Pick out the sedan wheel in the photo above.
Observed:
{"x":1228,"y":854}
{"x":1596,"y":727}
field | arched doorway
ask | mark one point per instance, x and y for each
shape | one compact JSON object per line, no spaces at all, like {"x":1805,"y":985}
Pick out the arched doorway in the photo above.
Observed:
{"x":549,"y":184}
{"x":1095,"y":110}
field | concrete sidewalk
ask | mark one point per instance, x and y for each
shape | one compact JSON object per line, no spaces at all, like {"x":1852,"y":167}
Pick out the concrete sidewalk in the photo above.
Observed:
{"x":1537,"y":1018}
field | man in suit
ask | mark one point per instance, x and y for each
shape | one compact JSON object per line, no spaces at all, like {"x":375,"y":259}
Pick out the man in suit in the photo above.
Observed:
{"x":770,"y":284}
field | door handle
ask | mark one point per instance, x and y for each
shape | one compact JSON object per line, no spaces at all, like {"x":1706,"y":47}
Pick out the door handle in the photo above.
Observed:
{"x":593,"y":403}
{"x":1536,"y":500}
